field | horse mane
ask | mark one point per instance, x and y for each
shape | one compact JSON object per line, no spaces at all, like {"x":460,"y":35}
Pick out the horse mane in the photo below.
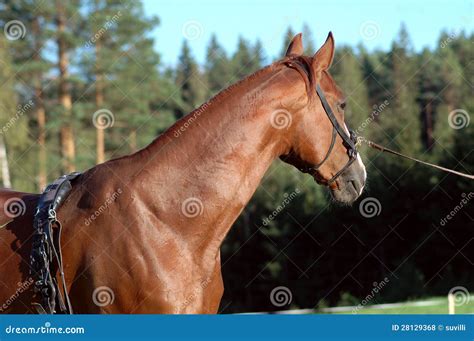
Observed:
{"x":301,"y":63}
{"x":224,"y":93}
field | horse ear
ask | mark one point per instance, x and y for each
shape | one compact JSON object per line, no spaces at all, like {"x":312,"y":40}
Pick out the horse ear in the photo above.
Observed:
{"x":296,"y":46}
{"x":322,"y":59}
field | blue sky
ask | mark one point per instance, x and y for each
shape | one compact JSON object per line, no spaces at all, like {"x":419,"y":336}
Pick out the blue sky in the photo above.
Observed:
{"x":373,"y":23}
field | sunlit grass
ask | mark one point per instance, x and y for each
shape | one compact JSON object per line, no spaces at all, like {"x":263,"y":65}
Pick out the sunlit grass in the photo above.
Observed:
{"x":440,"y":307}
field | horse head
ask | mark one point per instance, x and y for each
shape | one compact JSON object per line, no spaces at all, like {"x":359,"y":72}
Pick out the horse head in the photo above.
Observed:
{"x":320,"y":143}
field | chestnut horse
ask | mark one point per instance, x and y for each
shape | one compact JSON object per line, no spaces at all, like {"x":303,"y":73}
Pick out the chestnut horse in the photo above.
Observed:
{"x":142,"y":233}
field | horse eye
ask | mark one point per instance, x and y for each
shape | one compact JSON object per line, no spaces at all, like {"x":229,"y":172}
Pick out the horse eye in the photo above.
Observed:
{"x":342,"y":105}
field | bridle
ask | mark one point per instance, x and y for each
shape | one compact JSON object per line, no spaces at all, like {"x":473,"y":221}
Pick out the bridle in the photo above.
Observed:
{"x":349,"y":141}
{"x":352,"y":141}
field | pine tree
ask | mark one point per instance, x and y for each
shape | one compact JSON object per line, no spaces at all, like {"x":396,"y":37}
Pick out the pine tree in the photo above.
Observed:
{"x":246,"y":59}
{"x":7,"y":109}
{"x":120,"y":60}
{"x":259,"y":53}
{"x":349,"y":76}
{"x":137,"y":84}
{"x":31,"y":64}
{"x":68,"y":20}
{"x":463,"y":47}
{"x":449,"y":93}
{"x":402,"y":122}
{"x":218,"y":67}
{"x":14,"y":137}
{"x":189,"y":80}
{"x":308,"y":40}
{"x":451,"y":74}
{"x":376,"y":75}
{"x":429,"y":87}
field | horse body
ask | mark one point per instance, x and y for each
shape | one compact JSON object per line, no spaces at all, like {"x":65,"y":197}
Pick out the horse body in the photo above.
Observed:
{"x":142,"y":234}
{"x":15,"y":249}
{"x":184,"y":228}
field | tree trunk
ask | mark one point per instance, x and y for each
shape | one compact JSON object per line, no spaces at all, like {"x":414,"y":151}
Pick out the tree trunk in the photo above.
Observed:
{"x":40,"y":111}
{"x":132,"y":138}
{"x":99,"y":101}
{"x":67,"y":135}
{"x":429,"y":125}
{"x":4,"y":161}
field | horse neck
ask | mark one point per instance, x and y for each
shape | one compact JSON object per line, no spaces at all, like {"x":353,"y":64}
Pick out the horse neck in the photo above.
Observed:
{"x":214,"y":159}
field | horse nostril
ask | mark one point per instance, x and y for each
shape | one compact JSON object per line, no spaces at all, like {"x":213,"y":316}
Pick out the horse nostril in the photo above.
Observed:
{"x":355,"y":185}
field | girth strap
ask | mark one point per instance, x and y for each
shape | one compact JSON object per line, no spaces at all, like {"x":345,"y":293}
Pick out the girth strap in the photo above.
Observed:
{"x":46,"y":258}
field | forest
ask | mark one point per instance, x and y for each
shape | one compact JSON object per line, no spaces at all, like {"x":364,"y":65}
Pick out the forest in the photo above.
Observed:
{"x":82,"y":82}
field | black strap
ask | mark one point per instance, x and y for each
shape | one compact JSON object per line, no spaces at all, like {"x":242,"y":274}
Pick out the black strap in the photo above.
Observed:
{"x":342,"y":133}
{"x":46,"y":257}
{"x":349,"y":141}
{"x":328,"y":153}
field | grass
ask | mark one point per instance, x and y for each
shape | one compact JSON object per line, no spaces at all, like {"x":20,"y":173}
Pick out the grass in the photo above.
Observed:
{"x":440,"y":306}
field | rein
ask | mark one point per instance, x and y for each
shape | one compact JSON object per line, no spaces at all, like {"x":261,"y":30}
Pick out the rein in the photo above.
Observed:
{"x":361,"y":139}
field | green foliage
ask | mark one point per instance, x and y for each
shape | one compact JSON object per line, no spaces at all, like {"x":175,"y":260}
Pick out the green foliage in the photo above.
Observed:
{"x":14,"y":128}
{"x":348,"y":73}
{"x":218,"y":67}
{"x":247,"y":59}
{"x":189,"y":81}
